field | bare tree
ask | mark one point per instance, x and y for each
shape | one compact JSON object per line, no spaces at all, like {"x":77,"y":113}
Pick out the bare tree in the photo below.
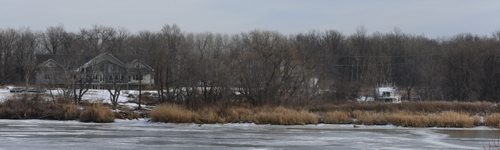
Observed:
{"x":27,"y":47}
{"x":8,"y":40}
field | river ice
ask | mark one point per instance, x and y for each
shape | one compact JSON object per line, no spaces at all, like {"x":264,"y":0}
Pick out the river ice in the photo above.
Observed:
{"x":141,"y":134}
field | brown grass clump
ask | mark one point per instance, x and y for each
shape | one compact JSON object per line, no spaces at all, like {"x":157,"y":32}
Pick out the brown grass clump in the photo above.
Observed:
{"x":284,"y":116}
{"x":454,"y":119}
{"x":126,"y":113}
{"x":97,"y":112}
{"x":130,"y":115}
{"x":407,"y":119}
{"x":337,"y":117}
{"x":238,"y":115}
{"x":207,"y":115}
{"x":23,"y":107}
{"x":415,"y":106}
{"x":64,"y":111}
{"x":171,"y":113}
{"x":370,"y":118}
{"x":35,"y":107}
{"x":493,"y":120}
{"x":417,"y":119}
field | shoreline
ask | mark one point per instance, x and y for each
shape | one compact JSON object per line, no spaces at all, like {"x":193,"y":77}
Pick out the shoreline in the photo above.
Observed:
{"x":144,"y":121}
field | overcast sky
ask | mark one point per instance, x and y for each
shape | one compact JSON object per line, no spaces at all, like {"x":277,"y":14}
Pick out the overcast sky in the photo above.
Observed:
{"x":433,"y":18}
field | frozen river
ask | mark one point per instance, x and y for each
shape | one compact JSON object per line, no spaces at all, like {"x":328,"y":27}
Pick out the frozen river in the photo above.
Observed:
{"x":140,"y":134}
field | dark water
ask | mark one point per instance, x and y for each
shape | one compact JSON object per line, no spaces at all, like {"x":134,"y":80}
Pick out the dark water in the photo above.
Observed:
{"x":40,"y":134}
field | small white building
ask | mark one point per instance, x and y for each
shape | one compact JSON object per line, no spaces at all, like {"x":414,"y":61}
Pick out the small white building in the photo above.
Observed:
{"x":387,"y":94}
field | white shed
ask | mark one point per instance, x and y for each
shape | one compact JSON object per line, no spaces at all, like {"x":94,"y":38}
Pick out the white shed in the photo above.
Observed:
{"x":387,"y":94}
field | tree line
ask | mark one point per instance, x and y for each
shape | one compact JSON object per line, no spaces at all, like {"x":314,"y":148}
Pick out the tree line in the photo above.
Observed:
{"x":268,"y":67}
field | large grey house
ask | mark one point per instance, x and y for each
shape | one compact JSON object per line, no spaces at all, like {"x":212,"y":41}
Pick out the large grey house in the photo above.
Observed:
{"x":104,"y":69}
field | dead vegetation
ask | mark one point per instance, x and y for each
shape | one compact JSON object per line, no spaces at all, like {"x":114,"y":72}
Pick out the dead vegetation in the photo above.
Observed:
{"x":260,"y":115}
{"x":411,"y":114}
{"x":97,"y":112}
{"x":417,"y":119}
{"x":337,"y":117}
{"x":284,"y":116}
{"x":423,"y":114}
{"x":35,"y":107}
{"x":493,"y":120}
{"x":415,"y":106}
{"x":171,"y":113}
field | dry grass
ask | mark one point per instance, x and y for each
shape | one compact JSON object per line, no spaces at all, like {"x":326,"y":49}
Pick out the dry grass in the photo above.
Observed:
{"x":238,"y":114}
{"x":337,"y":117}
{"x":283,"y":116}
{"x":23,"y":108}
{"x":493,"y":120}
{"x":266,"y":115}
{"x":454,"y":119}
{"x":126,"y":113}
{"x":418,"y":106}
{"x":171,"y":113}
{"x":408,"y":119}
{"x":207,"y":115}
{"x":64,"y":111}
{"x":417,"y":114}
{"x":370,"y":118}
{"x":34,"y":107}
{"x":417,"y":119}
{"x":130,"y":115}
{"x":97,"y":112}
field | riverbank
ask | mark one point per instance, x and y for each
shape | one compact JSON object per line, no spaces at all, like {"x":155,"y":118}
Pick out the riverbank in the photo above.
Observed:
{"x":406,"y":114}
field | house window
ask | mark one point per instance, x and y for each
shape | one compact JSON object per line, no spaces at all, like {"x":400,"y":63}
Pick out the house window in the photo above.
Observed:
{"x":386,"y":94}
{"x":47,"y":77}
{"x":137,"y":77}
{"x":110,"y":68}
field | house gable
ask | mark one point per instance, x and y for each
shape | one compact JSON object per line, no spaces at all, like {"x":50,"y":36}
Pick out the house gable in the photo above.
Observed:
{"x":136,"y":64}
{"x":50,"y":63}
{"x":103,"y":58}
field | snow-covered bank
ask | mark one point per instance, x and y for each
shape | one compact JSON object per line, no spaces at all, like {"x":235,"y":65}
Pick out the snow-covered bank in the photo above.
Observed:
{"x":92,"y":95}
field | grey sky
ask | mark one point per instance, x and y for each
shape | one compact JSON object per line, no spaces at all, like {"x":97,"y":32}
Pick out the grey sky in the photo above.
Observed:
{"x":429,"y":17}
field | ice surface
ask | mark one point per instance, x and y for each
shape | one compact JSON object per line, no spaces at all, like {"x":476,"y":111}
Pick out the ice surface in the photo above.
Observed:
{"x":141,"y":134}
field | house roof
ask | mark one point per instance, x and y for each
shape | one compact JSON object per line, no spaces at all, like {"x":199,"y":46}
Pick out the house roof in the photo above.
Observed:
{"x":135,"y":64}
{"x":57,"y":59}
{"x":101,"y":58}
{"x":48,"y":62}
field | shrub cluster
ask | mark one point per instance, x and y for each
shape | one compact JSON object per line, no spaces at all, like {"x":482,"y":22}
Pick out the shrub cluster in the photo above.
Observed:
{"x":97,"y":112}
{"x":493,"y":120}
{"x":171,"y":113}
{"x":35,"y":107}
